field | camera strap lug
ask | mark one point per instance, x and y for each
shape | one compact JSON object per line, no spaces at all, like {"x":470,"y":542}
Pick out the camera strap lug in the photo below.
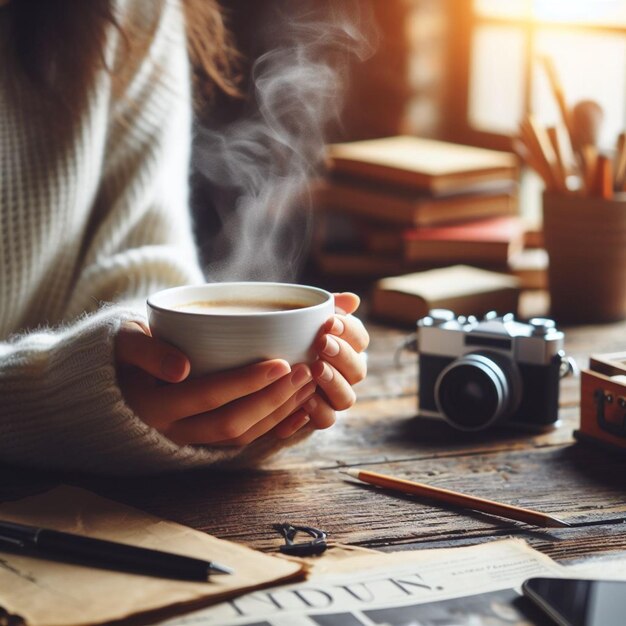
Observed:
{"x":408,"y":344}
{"x":568,"y":367}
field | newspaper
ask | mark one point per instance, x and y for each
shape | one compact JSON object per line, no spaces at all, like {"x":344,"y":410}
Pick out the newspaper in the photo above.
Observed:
{"x":610,"y":566}
{"x":477,"y":585}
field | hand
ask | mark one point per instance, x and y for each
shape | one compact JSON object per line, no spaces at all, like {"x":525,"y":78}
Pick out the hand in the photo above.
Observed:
{"x":228,"y":408}
{"x":341,"y":364}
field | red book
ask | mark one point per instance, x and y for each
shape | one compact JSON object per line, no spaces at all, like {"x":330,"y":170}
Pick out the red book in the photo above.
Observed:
{"x":490,"y":241}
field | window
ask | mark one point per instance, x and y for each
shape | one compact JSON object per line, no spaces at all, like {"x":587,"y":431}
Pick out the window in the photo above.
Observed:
{"x":498,"y":75}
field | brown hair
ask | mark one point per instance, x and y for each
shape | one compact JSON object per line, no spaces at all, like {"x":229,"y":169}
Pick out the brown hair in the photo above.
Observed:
{"x":60,"y":45}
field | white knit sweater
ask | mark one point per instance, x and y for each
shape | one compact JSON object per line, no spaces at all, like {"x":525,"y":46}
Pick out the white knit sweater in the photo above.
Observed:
{"x":101,"y":217}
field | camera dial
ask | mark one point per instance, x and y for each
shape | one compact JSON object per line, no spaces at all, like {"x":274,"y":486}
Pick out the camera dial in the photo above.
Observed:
{"x":542,"y":326}
{"x":478,"y":389}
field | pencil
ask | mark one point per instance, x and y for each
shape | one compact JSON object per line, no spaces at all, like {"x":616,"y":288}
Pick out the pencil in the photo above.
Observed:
{"x":540,"y":147}
{"x":457,"y":499}
{"x":620,"y":162}
{"x":559,"y":96}
{"x":557,"y":145}
{"x":603,"y":178}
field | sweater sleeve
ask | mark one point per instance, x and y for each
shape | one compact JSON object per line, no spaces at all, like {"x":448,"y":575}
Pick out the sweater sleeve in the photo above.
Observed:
{"x":61,"y":406}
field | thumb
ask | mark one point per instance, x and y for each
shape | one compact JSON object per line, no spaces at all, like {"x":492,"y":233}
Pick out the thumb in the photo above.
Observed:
{"x":134,"y":347}
{"x":347,"y":302}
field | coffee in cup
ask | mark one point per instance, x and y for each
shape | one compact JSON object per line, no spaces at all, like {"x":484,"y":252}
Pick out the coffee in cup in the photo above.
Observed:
{"x":237,"y":307}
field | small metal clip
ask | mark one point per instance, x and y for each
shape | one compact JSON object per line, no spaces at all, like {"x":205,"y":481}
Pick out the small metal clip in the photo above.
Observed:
{"x":305,"y":548}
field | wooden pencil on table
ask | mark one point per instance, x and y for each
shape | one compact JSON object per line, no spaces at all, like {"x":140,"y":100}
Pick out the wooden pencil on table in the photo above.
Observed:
{"x":457,"y":499}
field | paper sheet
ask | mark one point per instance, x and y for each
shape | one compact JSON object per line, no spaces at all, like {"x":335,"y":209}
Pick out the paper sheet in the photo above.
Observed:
{"x":48,"y":593}
{"x":610,"y":566}
{"x":468,"y":585}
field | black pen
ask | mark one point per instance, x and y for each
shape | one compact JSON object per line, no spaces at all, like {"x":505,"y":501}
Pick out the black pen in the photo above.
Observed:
{"x":59,"y":546}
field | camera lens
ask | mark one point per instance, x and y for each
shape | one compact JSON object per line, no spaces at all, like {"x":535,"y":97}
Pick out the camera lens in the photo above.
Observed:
{"x":475,"y":391}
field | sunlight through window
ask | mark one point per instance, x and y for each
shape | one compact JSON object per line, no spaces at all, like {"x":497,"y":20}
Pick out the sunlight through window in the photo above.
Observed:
{"x":586,"y":40}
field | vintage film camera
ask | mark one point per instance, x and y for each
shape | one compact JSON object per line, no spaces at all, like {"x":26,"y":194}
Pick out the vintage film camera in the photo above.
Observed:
{"x":603,"y":401}
{"x":475,"y":374}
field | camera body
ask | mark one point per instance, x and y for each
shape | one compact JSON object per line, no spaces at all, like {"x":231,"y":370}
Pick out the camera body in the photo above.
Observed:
{"x":478,"y":373}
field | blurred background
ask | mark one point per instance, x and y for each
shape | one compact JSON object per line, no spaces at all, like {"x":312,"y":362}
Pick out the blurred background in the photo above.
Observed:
{"x":461,"y":71}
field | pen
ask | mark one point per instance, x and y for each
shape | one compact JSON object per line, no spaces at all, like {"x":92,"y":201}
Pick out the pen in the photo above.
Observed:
{"x":55,"y":545}
{"x":458,"y":499}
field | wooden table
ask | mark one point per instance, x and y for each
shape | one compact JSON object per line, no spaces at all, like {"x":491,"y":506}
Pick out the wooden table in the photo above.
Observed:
{"x":546,"y":472}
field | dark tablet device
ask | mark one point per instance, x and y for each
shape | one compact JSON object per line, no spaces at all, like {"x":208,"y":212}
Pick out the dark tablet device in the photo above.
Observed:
{"x":575,"y":602}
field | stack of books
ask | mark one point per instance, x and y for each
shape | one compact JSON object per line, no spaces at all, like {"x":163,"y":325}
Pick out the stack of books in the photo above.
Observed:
{"x":400,"y":204}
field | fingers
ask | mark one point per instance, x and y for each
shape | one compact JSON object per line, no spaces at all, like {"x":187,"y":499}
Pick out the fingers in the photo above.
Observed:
{"x":134,"y":346}
{"x":350,"y":329}
{"x":282,"y":413}
{"x":292,"y":424}
{"x":340,"y":354}
{"x":346,"y":302}
{"x":334,"y":386}
{"x":316,"y":412}
{"x":322,"y":414}
{"x":232,"y":420}
{"x":238,"y":406}
{"x":200,"y":395}
{"x":341,"y":363}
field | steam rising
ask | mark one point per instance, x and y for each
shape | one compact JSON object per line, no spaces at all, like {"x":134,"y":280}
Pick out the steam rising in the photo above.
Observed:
{"x":260,"y":165}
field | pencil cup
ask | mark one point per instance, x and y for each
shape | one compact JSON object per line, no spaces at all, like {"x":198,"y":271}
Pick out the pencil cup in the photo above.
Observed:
{"x":585,"y":238}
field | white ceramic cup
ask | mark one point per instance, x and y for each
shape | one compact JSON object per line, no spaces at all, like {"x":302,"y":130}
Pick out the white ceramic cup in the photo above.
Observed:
{"x":218,"y":340}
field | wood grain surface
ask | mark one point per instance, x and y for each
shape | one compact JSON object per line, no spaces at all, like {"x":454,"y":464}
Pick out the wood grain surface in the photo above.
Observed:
{"x":547,"y":472}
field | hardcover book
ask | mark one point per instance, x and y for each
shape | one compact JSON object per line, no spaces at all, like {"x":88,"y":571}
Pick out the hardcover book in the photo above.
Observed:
{"x":485,"y":242}
{"x":414,"y":208}
{"x":463,"y":289}
{"x":418,"y":163}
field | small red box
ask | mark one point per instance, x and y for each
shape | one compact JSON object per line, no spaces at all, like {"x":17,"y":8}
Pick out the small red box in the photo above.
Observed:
{"x":603,"y":401}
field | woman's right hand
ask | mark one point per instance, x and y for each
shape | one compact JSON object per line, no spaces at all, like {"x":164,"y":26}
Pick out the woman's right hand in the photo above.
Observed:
{"x":227,"y":408}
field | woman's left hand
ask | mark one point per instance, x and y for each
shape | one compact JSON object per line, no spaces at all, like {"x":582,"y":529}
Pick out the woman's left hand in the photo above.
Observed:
{"x":341,"y":364}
